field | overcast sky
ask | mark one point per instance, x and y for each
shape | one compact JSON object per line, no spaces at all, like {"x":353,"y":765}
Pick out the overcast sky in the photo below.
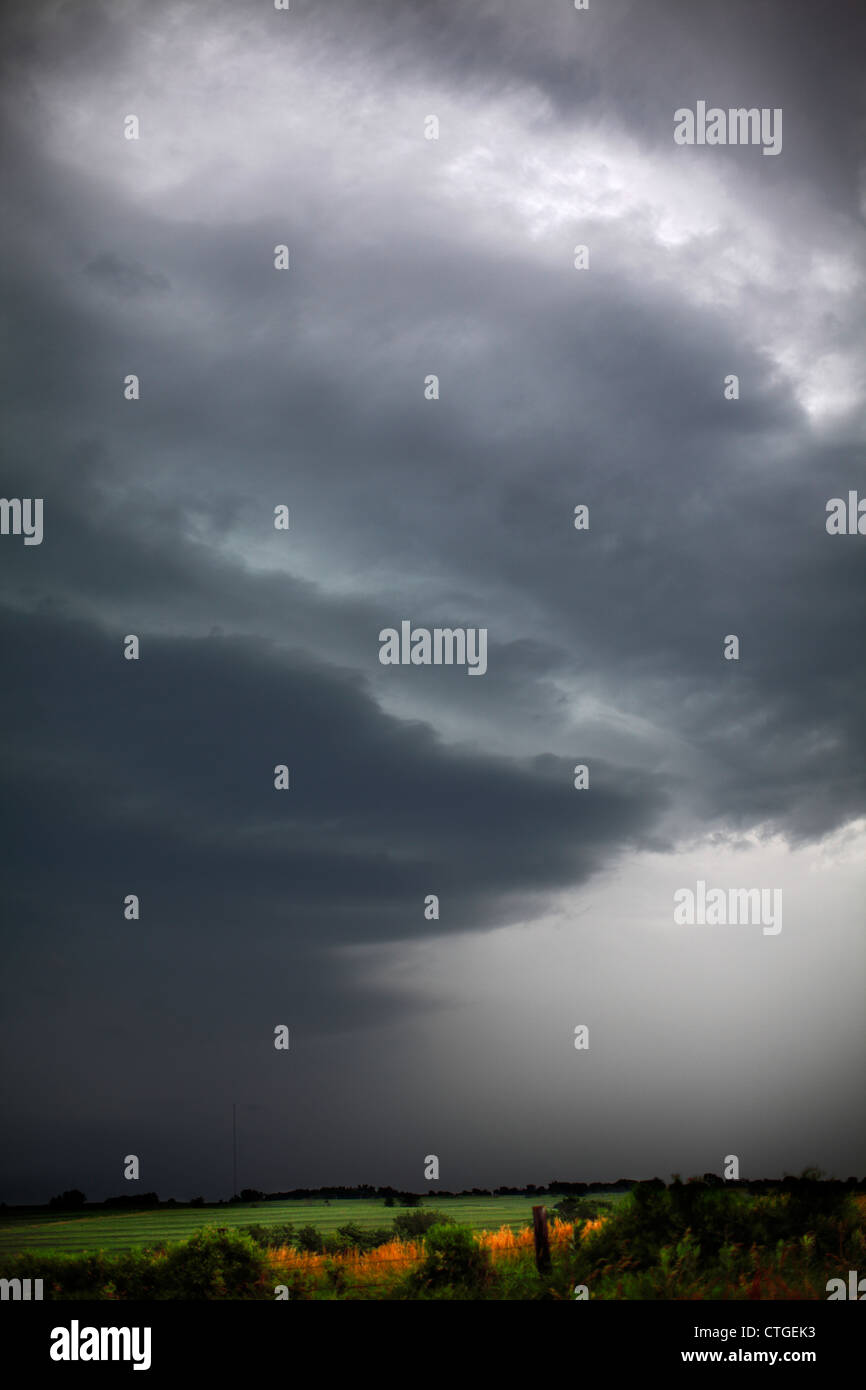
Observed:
{"x":258,"y":387}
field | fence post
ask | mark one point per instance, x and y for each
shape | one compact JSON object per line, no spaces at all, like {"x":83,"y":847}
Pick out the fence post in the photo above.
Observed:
{"x":542,"y":1243}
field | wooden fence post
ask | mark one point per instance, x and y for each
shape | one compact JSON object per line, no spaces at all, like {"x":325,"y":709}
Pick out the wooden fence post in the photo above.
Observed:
{"x":542,"y":1243}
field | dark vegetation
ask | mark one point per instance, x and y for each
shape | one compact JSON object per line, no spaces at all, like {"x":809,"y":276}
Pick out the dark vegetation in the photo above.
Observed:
{"x":74,"y":1200}
{"x":696,"y":1240}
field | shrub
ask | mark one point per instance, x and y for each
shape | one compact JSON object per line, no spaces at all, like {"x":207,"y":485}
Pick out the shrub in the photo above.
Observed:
{"x":211,"y":1265}
{"x":271,"y":1237}
{"x":410,"y":1225}
{"x":696,"y":1240}
{"x":309,"y":1241}
{"x":354,"y":1237}
{"x":580,"y":1209}
{"x":452,"y":1259}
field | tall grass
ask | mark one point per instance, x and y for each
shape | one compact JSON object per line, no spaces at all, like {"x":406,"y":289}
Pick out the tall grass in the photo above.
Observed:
{"x":306,"y":1274}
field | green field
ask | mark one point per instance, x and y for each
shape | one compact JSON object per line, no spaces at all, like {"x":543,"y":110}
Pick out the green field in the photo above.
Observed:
{"x":113,"y":1230}
{"x":691,"y":1241}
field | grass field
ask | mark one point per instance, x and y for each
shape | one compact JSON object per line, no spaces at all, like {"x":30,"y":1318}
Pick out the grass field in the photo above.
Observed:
{"x":695,"y":1241}
{"x":115,"y":1231}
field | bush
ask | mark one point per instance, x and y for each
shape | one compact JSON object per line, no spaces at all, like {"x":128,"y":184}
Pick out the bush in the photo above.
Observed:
{"x":579,"y":1209}
{"x":354,"y":1237}
{"x":452,"y":1260}
{"x":271,"y":1237}
{"x":696,"y":1240}
{"x":309,"y":1241}
{"x":410,"y":1225}
{"x":211,"y":1265}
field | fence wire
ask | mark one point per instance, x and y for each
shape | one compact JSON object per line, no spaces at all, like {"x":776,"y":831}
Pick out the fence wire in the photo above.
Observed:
{"x":336,"y":1271}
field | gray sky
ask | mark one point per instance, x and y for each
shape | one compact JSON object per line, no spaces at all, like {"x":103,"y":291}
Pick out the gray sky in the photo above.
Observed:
{"x":258,"y":647}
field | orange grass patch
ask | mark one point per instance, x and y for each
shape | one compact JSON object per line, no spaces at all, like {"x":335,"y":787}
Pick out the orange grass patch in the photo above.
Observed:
{"x":395,"y":1259}
{"x":398,"y":1257}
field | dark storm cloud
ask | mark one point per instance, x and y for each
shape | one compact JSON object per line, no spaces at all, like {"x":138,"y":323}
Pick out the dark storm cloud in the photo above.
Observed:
{"x":640,"y":608}
{"x":157,"y":778}
{"x":122,"y":277}
{"x":173,"y":766}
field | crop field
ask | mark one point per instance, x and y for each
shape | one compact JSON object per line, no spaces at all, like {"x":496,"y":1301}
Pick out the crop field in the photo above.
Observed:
{"x":694,"y":1241}
{"x":130,"y":1230}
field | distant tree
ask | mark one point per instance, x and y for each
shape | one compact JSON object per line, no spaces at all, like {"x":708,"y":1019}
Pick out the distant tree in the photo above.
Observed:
{"x":72,"y":1200}
{"x":133,"y":1203}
